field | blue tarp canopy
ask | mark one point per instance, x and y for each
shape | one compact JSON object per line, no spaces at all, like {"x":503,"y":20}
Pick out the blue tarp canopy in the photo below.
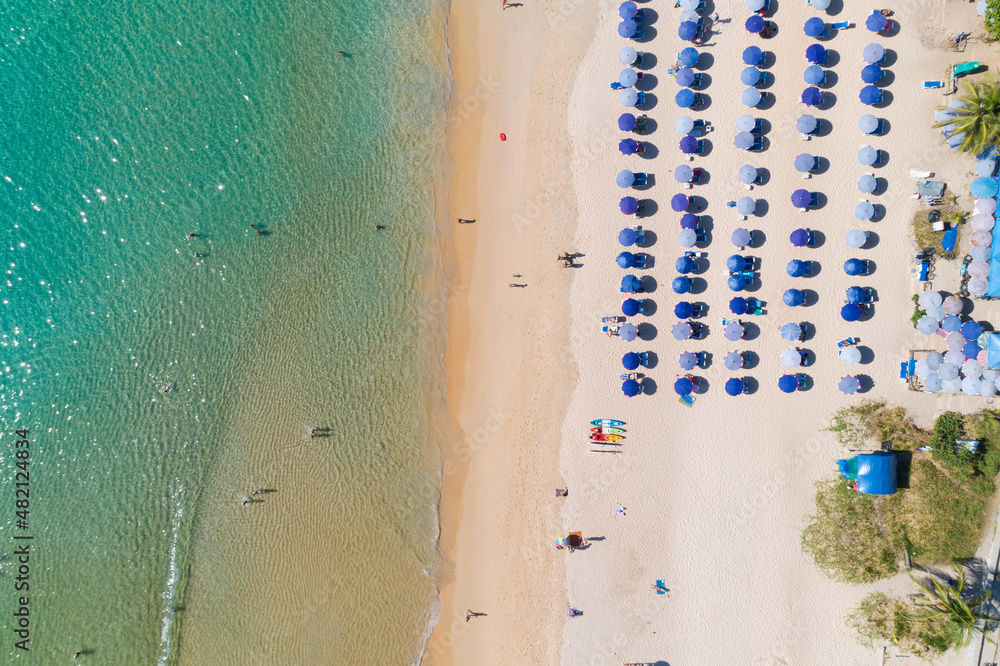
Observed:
{"x":991,"y":343}
{"x":875,"y":472}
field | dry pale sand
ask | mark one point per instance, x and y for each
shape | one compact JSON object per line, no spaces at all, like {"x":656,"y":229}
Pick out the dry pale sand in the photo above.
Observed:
{"x":715,"y":494}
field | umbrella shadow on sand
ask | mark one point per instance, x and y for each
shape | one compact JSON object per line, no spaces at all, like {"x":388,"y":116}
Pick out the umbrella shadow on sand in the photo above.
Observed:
{"x":759,"y":238}
{"x":750,"y":384}
{"x":867,"y":383}
{"x":648,"y":62}
{"x":647,"y":331}
{"x":648,"y":284}
{"x":818,"y":238}
{"x":646,"y":83}
{"x":867,"y":355}
{"x":648,"y":386}
{"x":651,"y":360}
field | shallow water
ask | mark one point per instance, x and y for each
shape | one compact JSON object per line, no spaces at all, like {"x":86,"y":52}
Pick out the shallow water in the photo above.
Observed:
{"x":127,"y":127}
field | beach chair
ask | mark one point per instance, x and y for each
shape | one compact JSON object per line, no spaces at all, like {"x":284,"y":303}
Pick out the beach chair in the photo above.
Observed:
{"x":809,"y":268}
{"x":933,"y":84}
{"x":840,"y":26}
{"x":697,"y":81}
{"x":643,"y":358}
{"x":702,"y":359}
{"x":640,"y":236}
{"x":903,"y":372}
{"x":758,"y":144}
{"x":700,"y":236}
{"x":617,"y":86}
{"x":801,"y":381}
{"x":640,"y":101}
{"x":813,"y":199}
{"x":847,"y":342}
{"x":758,"y":126}
{"x":747,"y":275}
{"x":762,"y":81}
{"x":639,"y":33}
{"x":964,"y":68}
{"x":868,"y":297}
{"x":640,"y":261}
{"x":640,"y":180}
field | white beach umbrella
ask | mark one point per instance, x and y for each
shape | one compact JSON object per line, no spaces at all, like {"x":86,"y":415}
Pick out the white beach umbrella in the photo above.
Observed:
{"x":990,"y":374}
{"x":929,"y":299}
{"x":855,"y":239}
{"x":971,"y":386}
{"x":953,"y":305}
{"x":932,"y":382}
{"x":955,"y":341}
{"x":927,"y":325}
{"x":971,"y":368}
{"x":934,"y":360}
{"x":987,"y":206}
{"x":981,"y":253}
{"x":937,"y":312}
{"x":982,"y":222}
{"x":850,"y":355}
{"x":948,"y":371}
{"x":921,"y":369}
{"x":955,"y":356}
{"x":988,"y":390}
{"x":978,"y":287}
{"x":791,"y":358}
{"x":979,"y":269}
{"x":951,"y":385}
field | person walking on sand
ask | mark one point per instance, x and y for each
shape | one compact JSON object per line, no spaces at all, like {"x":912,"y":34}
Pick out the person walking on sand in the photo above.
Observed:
{"x":503,"y":4}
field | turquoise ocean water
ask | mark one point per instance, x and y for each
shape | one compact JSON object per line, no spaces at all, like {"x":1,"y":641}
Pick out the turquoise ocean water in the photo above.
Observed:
{"x":126,"y":126}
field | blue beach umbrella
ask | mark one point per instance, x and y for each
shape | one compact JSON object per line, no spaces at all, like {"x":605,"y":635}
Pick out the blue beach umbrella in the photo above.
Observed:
{"x":687,"y":237}
{"x":867,"y":156}
{"x":873,"y":53}
{"x":687,"y":360}
{"x":814,"y":27}
{"x":627,"y":28}
{"x":733,"y":331}
{"x":685,"y":264}
{"x":628,"y":97}
{"x":688,"y":144}
{"x":797,"y":268}
{"x":971,"y":349}
{"x":867,"y":123}
{"x":687,"y":31}
{"x":631,"y":388}
{"x":628,"y":205}
{"x":626,"y":122}
{"x":849,"y":385}
{"x":876,"y":22}
{"x":689,"y":221}
{"x":864,"y":210}
{"x":738,"y":305}
{"x":628,"y":332}
{"x":684,"y":98}
{"x":627,"y":237}
{"x":683,"y":173}
{"x":971,"y":330}
{"x":951,"y":323}
{"x":752,"y":55}
{"x":630,"y":307}
{"x":683,"y":386}
{"x":628,"y":146}
{"x":626,"y":260}
{"x":812,"y":96}
{"x":751,"y":97}
{"x":747,"y":174}
{"x":793,"y":298}
{"x":743,"y":141}
{"x":806,"y":123}
{"x":754,"y":24}
{"x":813,"y":75}
{"x":683,"y":310}
{"x":627,"y":9}
{"x":689,"y":56}
{"x":788,"y":383}
{"x":790,"y":331}
{"x":801,"y":198}
{"x":805,"y":162}
{"x":684,"y":77}
{"x":682,"y":330}
{"x":746,"y":206}
{"x":867,"y":184}
{"x":750,"y":76}
{"x":955,"y":140}
{"x":736,"y":263}
{"x":816,"y":54}
{"x":870,"y":95}
{"x":679,"y":203}
{"x":871,"y":73}
{"x":734,"y":386}
{"x":631,"y":361}
{"x":737,"y":283}
{"x":628,"y":56}
{"x":741,"y":238}
{"x":632,"y":285}
{"x":755,"y":5}
{"x":855,"y":294}
{"x":854,"y":267}
{"x":986,"y":167}
{"x":733,"y":360}
{"x":628,"y":77}
{"x":625,"y":178}
{"x":851,"y":312}
{"x":800,"y":238}
{"x":984,"y":187}
{"x":681,"y":284}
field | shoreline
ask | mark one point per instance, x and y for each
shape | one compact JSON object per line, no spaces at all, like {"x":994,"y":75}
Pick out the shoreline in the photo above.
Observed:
{"x":498,"y":511}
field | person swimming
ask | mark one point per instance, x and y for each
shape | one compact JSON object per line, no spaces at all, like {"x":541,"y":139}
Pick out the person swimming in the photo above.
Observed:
{"x":343,"y":53}
{"x":379,"y":227}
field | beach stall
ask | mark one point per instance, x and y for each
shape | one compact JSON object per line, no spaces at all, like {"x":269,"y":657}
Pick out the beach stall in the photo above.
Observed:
{"x":872,"y":473}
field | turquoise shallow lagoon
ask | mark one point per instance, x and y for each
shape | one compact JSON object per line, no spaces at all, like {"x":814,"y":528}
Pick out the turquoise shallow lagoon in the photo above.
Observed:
{"x":128,"y":126}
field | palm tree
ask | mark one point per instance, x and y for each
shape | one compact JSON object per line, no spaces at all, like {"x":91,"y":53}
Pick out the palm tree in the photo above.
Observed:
{"x":978,"y":118}
{"x":960,"y":618}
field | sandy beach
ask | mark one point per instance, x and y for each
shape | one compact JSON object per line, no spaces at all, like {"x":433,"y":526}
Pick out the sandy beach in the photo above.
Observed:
{"x":715,"y":494}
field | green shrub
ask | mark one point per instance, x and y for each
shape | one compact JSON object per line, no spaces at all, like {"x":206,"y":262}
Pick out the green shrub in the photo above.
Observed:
{"x":949,"y":427}
{"x":880,"y":619}
{"x":992,"y":21}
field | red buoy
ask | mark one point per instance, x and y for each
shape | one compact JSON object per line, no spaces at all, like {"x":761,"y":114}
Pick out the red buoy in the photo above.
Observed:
{"x":503,"y":137}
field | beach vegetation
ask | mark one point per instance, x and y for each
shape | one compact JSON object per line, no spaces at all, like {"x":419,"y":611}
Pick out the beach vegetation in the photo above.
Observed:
{"x":992,"y":19}
{"x":923,"y":231}
{"x":978,"y":117}
{"x":937,"y":514}
{"x":880,"y":619}
{"x":957,"y":613}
